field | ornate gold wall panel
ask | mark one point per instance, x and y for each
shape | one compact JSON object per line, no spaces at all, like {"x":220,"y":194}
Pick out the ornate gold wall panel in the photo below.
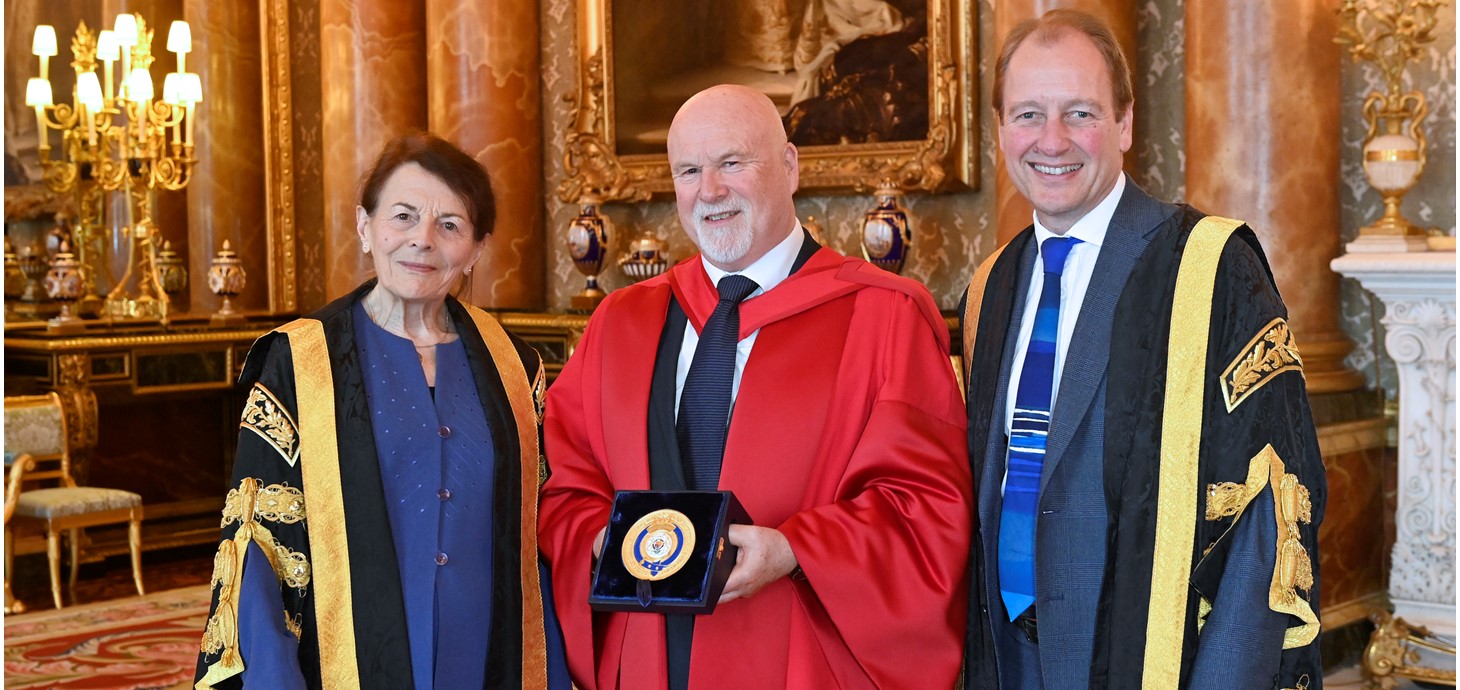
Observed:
{"x":278,"y":107}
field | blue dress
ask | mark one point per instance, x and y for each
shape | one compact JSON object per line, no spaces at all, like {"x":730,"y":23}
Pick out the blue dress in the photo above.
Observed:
{"x":436,"y":462}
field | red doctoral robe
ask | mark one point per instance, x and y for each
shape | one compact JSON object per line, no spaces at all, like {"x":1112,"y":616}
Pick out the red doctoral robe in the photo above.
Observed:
{"x":848,"y":435}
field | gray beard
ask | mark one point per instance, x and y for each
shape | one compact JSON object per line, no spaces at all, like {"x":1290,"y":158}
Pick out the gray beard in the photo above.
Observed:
{"x":723,"y":245}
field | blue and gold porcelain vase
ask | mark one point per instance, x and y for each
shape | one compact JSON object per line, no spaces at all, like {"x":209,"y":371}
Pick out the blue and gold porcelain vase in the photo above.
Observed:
{"x":588,"y":245}
{"x":887,"y":230}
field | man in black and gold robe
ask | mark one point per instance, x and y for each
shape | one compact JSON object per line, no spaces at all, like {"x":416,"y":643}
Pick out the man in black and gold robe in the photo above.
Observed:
{"x":1179,"y":488}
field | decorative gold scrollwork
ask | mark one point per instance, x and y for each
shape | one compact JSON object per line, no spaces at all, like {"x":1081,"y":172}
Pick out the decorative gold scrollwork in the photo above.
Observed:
{"x":291,"y":566}
{"x":263,"y":415}
{"x":243,"y":505}
{"x":294,"y":624}
{"x":1292,"y":506}
{"x":1271,"y":352}
{"x":280,"y":503}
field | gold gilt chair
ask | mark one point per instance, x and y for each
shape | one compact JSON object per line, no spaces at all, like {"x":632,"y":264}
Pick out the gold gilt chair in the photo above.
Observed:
{"x":35,"y":433}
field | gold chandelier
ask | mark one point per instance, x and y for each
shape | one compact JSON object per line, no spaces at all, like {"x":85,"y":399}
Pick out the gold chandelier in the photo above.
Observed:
{"x":116,"y":135}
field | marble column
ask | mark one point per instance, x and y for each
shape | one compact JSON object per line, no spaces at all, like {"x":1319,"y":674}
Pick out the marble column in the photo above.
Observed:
{"x":226,"y":194}
{"x":373,"y":85}
{"x":1013,"y":210}
{"x":485,"y":97}
{"x":1418,"y":292}
{"x":1262,"y":138}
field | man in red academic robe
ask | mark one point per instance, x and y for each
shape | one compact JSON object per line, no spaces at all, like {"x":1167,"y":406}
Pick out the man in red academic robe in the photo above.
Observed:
{"x":844,"y":442}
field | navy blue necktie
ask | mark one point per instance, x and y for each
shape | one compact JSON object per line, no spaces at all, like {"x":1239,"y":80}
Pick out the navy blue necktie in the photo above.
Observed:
{"x":704,"y":404}
{"x":1027,"y":434}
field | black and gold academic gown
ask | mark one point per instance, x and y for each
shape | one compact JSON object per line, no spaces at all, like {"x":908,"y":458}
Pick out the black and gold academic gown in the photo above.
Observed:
{"x":1212,"y":467}
{"x":308,"y":492}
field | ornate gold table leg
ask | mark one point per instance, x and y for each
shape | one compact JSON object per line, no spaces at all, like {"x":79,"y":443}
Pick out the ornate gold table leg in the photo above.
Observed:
{"x":1394,"y":652}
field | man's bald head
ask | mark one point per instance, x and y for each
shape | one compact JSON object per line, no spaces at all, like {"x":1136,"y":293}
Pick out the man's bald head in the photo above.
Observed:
{"x":729,"y":105}
{"x":734,"y":174}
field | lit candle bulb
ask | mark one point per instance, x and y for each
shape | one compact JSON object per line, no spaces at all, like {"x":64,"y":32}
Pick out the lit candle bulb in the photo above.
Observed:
{"x":126,"y":30}
{"x":43,"y":46}
{"x":88,"y":92}
{"x":180,"y":41}
{"x":171,"y":94}
{"x":126,"y":33}
{"x":139,"y":86}
{"x":190,"y":91}
{"x":38,"y":96}
{"x":107,"y":51}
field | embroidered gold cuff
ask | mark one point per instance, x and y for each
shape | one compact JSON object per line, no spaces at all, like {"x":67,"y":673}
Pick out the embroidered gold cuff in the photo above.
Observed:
{"x":275,"y":502}
{"x":243,"y":505}
{"x":263,"y":415}
{"x":280,"y":503}
{"x":290,"y":565}
{"x":1292,"y":505}
{"x":1271,"y":352}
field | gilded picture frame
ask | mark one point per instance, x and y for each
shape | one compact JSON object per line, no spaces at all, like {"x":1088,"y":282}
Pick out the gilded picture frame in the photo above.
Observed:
{"x":600,"y":166}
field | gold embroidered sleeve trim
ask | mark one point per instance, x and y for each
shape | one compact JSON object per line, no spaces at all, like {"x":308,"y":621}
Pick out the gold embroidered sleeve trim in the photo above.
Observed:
{"x":280,"y":503}
{"x":1269,"y":353}
{"x":1294,"y":566}
{"x":275,"y":502}
{"x":1292,"y":506}
{"x":263,"y":415}
{"x":220,"y":636}
{"x":1228,"y":499}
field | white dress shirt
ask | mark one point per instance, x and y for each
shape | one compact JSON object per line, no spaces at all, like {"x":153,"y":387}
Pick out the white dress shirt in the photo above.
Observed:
{"x":1075,"y":278}
{"x":768,"y":271}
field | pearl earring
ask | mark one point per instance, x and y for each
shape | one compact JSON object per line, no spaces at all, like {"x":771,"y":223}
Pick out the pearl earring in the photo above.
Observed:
{"x":365,"y":247}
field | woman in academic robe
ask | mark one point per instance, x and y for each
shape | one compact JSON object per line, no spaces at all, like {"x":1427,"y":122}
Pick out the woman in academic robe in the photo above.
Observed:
{"x":379,"y":531}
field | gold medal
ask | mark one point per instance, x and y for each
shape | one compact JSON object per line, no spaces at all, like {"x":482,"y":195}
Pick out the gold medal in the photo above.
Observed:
{"x":658,"y":545}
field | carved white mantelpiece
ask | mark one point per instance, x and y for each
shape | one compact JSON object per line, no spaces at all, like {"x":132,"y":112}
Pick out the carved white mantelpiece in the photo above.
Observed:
{"x":1418,"y":291}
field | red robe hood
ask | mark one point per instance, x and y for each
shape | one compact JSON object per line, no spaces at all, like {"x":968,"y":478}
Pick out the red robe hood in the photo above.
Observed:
{"x":825,"y":277}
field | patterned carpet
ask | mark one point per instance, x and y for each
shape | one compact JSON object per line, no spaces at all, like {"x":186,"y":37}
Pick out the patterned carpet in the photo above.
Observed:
{"x":139,"y":643}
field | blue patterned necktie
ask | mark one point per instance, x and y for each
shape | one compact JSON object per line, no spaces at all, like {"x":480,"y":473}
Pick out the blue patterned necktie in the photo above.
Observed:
{"x":704,"y":404}
{"x":1027,"y":434}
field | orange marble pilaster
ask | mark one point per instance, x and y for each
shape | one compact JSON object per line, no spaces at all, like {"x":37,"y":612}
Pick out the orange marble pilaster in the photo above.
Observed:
{"x":1262,"y":138}
{"x":226,"y":196}
{"x":1013,"y":210}
{"x":485,"y":97}
{"x":373,"y":87}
